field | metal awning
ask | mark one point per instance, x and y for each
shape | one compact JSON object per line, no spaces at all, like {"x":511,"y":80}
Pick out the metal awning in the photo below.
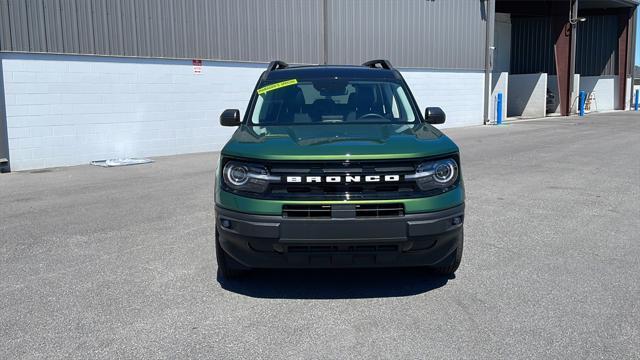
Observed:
{"x":606,"y":4}
{"x":541,"y":8}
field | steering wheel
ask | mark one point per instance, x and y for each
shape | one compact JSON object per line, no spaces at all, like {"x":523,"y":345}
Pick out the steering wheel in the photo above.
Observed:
{"x":372,"y":115}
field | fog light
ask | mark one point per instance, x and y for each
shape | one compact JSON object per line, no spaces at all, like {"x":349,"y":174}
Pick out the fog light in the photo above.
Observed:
{"x":225,"y":223}
{"x":457,"y":220}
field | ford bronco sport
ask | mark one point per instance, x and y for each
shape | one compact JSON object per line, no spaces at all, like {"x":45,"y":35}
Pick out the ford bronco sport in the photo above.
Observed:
{"x":335,"y":166}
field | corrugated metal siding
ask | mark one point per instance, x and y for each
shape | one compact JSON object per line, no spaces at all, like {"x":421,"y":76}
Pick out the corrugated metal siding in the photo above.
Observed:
{"x":19,"y":25}
{"x":37,"y":35}
{"x":597,"y":46}
{"x":446,"y":34}
{"x":52,"y":25}
{"x":86,"y":43}
{"x":247,"y":30}
{"x":70,"y":32}
{"x":412,"y":33}
{"x":5,"y":26}
{"x":531,"y":46}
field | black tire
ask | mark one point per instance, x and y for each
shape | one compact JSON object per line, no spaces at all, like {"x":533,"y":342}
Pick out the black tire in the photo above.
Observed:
{"x":228,"y":268}
{"x":452,"y":262}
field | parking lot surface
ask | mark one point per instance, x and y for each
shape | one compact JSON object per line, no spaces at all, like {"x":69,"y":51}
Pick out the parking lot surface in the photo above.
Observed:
{"x":119,"y":263}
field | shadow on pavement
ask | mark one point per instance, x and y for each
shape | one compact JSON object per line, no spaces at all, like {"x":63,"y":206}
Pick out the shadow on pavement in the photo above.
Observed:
{"x":335,"y":284}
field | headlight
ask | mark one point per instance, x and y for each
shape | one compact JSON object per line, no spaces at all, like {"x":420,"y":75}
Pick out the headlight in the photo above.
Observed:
{"x":236,"y":175}
{"x":439,"y":174}
{"x":247,"y":177}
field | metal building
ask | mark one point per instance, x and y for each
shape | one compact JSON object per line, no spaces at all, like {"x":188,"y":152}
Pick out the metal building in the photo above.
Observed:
{"x":83,"y":80}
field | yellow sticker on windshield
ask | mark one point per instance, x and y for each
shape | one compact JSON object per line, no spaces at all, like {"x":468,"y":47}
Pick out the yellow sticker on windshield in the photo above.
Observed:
{"x":278,"y":85}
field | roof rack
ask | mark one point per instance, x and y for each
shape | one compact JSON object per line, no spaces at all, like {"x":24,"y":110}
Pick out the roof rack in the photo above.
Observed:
{"x":277,"y":64}
{"x":384,"y":64}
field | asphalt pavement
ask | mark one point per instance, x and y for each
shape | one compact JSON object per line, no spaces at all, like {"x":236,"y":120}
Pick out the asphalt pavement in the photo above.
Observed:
{"x":119,"y":263}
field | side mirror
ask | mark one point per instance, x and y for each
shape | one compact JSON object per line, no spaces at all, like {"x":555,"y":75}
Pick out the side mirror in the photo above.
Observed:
{"x":230,"y":117}
{"x":434,"y":115}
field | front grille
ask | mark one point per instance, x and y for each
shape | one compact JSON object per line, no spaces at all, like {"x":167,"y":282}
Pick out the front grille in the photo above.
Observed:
{"x":324,"y":189}
{"x":341,"y":191}
{"x":342,"y":248}
{"x":379,"y":210}
{"x":342,"y":211}
{"x":307,"y":211}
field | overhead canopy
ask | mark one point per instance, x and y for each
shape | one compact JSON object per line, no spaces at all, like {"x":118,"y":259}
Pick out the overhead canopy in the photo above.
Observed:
{"x":606,"y":4}
{"x":533,"y":8}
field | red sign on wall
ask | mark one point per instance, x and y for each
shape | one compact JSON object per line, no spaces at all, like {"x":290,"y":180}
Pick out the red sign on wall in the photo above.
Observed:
{"x":197,"y":66}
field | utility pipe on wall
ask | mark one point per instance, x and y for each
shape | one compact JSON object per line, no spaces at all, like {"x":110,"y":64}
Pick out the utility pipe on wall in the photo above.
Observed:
{"x":488,"y":56}
{"x":573,"y":20}
{"x":4,"y":135}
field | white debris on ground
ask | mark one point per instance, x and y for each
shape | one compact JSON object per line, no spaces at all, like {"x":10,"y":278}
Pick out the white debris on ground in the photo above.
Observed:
{"x":121,"y":162}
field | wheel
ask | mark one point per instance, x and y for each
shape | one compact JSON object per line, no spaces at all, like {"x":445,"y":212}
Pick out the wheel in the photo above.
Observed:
{"x":449,"y":265}
{"x":228,"y":268}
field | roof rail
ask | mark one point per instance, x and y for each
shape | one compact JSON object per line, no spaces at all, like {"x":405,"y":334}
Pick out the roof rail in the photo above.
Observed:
{"x":384,"y":64}
{"x":277,"y":64}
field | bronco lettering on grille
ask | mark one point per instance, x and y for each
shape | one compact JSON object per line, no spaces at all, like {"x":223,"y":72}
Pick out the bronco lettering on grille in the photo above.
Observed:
{"x":342,"y":179}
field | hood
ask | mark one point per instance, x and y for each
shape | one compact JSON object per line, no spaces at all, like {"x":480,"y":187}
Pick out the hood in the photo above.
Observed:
{"x":338,"y":142}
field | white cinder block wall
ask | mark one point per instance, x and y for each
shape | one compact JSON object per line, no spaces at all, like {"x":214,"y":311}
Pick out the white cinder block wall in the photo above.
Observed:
{"x":68,"y":110}
{"x":627,"y":98}
{"x":552,"y":85}
{"x":499,"y":84}
{"x":604,"y":89}
{"x":459,"y":93}
{"x":527,"y":95}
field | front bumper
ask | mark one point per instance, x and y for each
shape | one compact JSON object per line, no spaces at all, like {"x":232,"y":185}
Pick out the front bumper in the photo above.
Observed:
{"x":268,"y":241}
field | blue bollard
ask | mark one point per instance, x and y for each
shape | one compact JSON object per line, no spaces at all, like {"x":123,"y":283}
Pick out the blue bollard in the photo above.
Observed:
{"x":499,"y":109}
{"x":583,"y":97}
{"x":637,"y":96}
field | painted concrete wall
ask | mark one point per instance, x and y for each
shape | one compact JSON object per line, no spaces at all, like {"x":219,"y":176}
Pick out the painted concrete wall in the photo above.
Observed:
{"x":552,"y":84}
{"x":459,"y":93}
{"x":575,"y":106}
{"x":603,"y":88}
{"x":68,"y":110}
{"x":502,"y":42}
{"x":527,"y":95}
{"x":4,"y":143}
{"x":628,"y":95}
{"x":499,"y":84}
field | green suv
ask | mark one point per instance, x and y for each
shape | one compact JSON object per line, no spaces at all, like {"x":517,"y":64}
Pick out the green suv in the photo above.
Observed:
{"x":335,"y":166}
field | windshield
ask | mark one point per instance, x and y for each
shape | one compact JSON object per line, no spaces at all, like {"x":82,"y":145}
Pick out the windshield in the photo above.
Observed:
{"x":331,"y":100}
